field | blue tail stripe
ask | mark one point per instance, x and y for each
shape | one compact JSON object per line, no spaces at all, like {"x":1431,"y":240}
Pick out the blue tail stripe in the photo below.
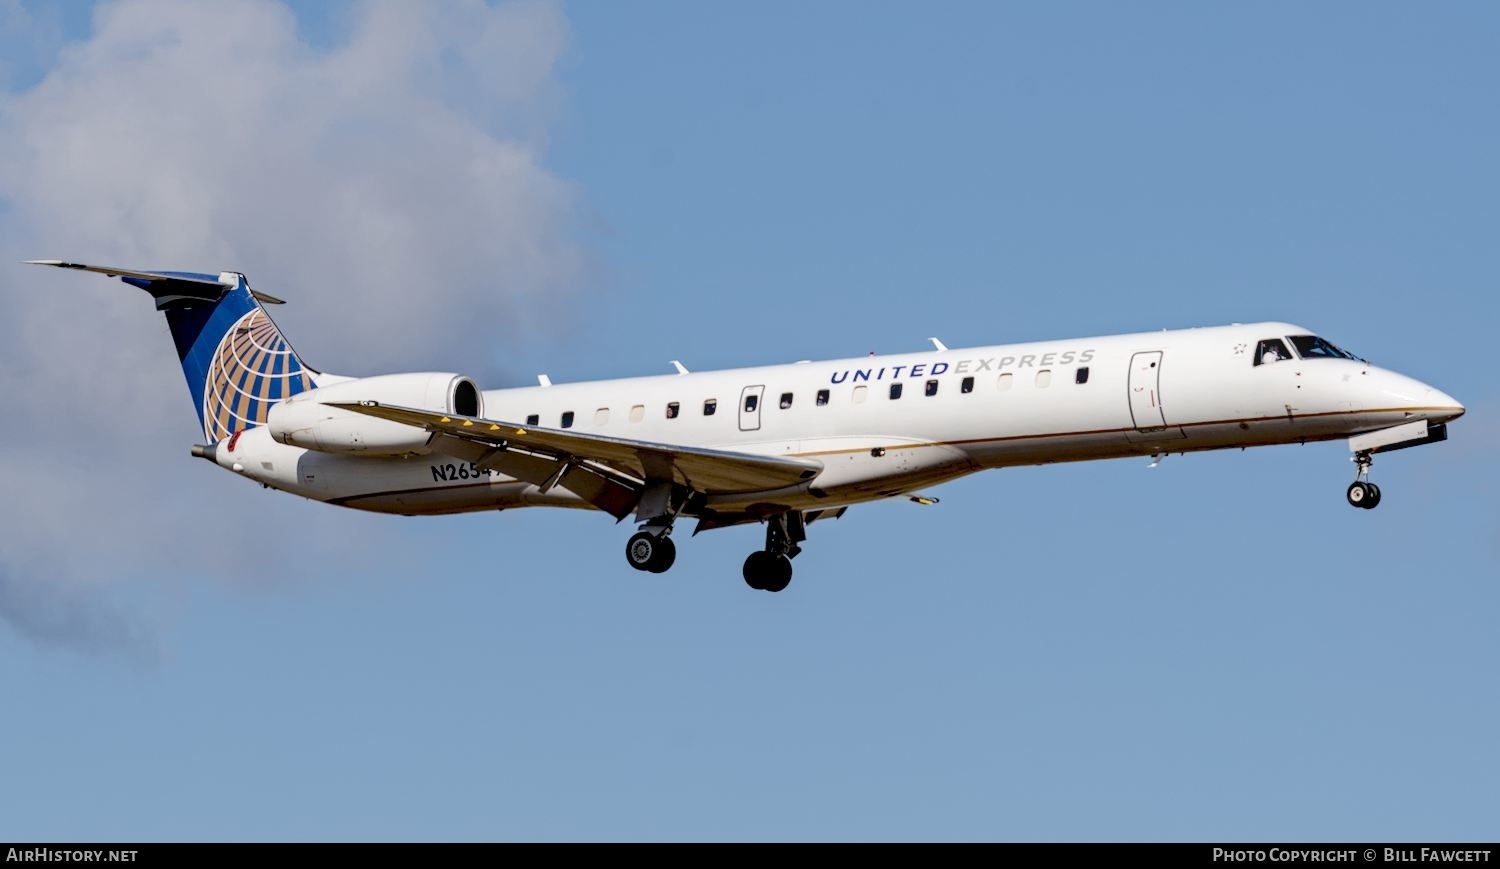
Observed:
{"x":206,"y":336}
{"x":278,"y":362}
{"x":237,"y":399}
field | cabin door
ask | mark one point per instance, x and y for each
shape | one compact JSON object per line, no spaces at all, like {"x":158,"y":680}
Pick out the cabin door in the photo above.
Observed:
{"x":1145,"y":392}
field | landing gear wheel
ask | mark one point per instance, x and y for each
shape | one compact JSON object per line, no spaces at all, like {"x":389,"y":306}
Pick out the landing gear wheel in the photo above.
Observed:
{"x":781,"y":574}
{"x":767,"y":571}
{"x":646,"y":551}
{"x":666,"y":554}
{"x":756,"y":569}
{"x":1363,"y":494}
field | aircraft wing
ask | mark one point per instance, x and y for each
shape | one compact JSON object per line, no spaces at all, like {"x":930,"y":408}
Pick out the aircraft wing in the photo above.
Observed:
{"x":708,"y":471}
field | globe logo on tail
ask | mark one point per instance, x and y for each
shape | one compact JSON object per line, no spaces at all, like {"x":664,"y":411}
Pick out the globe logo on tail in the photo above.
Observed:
{"x":253,"y":369}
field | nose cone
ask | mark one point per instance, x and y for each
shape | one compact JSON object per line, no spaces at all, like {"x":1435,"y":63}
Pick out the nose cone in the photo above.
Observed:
{"x":1444,"y":406}
{"x":1398,"y":392}
{"x":1417,"y":397}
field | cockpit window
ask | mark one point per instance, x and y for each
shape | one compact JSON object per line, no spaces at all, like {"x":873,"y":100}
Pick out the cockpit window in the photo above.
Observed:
{"x":1271,"y":350}
{"x":1313,"y":347}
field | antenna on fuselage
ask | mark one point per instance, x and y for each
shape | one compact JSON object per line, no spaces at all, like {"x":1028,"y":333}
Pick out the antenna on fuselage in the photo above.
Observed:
{"x":544,"y":380}
{"x":938,"y":345}
{"x":678,"y":366}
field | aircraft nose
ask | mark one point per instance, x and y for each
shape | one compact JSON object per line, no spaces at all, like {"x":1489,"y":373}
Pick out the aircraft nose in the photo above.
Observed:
{"x":1436,"y":405}
{"x":1444,"y":406}
{"x":1421,"y":399}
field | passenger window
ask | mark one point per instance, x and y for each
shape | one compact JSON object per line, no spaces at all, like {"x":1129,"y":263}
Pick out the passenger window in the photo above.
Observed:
{"x":533,"y":419}
{"x":786,"y":400}
{"x":822,"y":397}
{"x":710,"y":406}
{"x":672,"y":409}
{"x":601,"y":416}
{"x":1081,"y":376}
{"x":1044,"y":378}
{"x":931,"y":388}
{"x":895,"y":391}
{"x":752,"y":401}
{"x":966,"y":386}
{"x":1005,"y":382}
{"x":1271,"y":350}
{"x":567,"y":419}
{"x":637,"y":412}
{"x":860,"y":394}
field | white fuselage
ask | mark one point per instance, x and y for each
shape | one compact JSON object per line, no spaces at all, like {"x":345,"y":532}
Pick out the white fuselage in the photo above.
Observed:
{"x":959,"y":411}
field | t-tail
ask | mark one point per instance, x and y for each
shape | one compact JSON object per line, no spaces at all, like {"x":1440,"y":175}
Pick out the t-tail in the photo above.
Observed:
{"x":237,"y":363}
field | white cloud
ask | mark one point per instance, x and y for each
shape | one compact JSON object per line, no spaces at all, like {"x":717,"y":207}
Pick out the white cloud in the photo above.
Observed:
{"x":390,"y":187}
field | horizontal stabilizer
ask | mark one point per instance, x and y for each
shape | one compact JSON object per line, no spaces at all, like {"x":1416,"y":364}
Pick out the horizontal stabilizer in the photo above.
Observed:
{"x":167,"y":287}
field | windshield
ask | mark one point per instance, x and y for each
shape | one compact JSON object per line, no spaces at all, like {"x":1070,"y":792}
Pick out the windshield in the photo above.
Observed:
{"x":1313,"y":347}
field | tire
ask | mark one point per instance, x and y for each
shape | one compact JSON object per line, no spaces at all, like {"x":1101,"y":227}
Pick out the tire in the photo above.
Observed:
{"x":1358,"y":494}
{"x":1374,"y":500}
{"x":666,"y":554}
{"x":641,"y":550}
{"x":780,"y":574}
{"x":757,"y":569}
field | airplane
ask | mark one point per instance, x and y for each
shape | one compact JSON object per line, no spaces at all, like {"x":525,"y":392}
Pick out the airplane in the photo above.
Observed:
{"x":785,"y":446}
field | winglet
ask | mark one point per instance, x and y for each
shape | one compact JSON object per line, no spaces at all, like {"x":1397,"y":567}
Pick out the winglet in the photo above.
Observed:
{"x":940,"y":346}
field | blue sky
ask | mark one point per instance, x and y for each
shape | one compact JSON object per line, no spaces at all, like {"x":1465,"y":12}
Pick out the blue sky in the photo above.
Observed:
{"x":1216,"y":649}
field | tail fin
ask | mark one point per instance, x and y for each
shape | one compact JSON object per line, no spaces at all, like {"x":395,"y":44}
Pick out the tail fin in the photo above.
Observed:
{"x":236,"y":361}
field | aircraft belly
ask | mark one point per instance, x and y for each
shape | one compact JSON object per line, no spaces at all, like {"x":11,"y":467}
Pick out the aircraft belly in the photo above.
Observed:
{"x":492,"y":495}
{"x":440,"y":500}
{"x":1068,"y":447}
{"x":415,"y":485}
{"x":860,"y":469}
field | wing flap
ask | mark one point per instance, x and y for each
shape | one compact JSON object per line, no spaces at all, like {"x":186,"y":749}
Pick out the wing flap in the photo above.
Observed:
{"x":709,"y":471}
{"x":608,"y":492}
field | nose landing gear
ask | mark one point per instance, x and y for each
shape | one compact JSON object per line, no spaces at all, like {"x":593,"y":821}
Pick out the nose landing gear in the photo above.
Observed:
{"x":1363,"y":493}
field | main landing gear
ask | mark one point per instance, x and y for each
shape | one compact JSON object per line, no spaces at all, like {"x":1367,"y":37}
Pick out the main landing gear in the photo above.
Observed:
{"x":651,"y":550}
{"x":1363,"y":493}
{"x":770,"y":569}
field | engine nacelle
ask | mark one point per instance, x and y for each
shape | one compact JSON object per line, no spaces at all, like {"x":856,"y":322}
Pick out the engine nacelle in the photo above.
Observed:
{"x":306,"y":419}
